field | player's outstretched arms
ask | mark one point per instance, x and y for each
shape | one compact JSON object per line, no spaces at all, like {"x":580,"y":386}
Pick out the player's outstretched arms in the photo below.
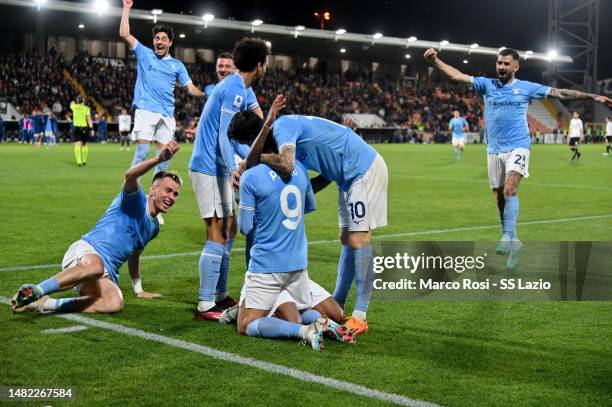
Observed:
{"x":134,"y":269}
{"x":140,"y":169}
{"x":431,"y":55}
{"x":257,"y":148}
{"x":124,"y":26}
{"x":572,"y":94}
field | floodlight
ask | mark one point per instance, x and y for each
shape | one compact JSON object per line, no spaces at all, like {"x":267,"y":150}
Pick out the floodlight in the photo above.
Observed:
{"x":444,"y":43}
{"x":340,"y":31}
{"x":377,"y":36}
{"x":412,"y":38}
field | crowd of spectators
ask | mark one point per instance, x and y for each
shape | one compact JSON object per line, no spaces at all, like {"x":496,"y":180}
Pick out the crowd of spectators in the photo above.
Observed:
{"x":30,"y":81}
{"x":36,"y":81}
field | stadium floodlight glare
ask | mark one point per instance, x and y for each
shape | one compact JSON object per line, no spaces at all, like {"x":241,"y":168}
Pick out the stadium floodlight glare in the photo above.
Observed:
{"x":269,"y":44}
{"x":501,"y":49}
{"x":412,"y":38}
{"x":465,"y":61}
{"x":342,"y":50}
{"x":552,"y":54}
{"x":255,"y":23}
{"x":340,"y":31}
{"x":408,"y":56}
{"x":100,"y":6}
{"x":156,"y":12}
{"x":377,"y":36}
{"x":207,"y":17}
{"x":444,"y":43}
{"x":181,"y":35}
{"x":40,"y":3}
{"x":529,"y":52}
{"x":81,"y":26}
{"x":297,"y":30}
{"x":474,"y":46}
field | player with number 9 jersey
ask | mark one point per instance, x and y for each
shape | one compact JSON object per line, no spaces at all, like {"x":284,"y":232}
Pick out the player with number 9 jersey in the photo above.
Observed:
{"x":274,"y":208}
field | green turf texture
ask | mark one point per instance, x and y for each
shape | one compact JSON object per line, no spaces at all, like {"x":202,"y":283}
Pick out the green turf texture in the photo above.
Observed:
{"x":450,"y":353}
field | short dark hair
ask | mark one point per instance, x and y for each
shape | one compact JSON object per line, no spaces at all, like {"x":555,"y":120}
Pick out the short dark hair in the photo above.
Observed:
{"x":80,"y":99}
{"x":244,"y":127}
{"x":248,"y":52}
{"x":168,"y":174}
{"x":509,"y":51}
{"x":225,"y":55}
{"x":162,"y":28}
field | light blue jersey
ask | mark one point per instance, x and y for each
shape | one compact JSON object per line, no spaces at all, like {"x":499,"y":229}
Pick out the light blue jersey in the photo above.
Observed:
{"x":251,"y":99}
{"x":125,"y":227}
{"x":156,"y":80}
{"x":457,"y":124}
{"x":274,"y":210}
{"x":506,"y":112}
{"x":213,"y":153}
{"x":334,"y":151}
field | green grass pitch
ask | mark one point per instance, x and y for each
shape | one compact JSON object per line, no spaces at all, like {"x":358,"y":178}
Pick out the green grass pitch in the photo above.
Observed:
{"x":448,"y":353}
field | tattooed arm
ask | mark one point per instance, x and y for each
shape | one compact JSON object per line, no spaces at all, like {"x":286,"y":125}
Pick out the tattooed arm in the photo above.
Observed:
{"x":571,"y":94}
{"x":283,"y":162}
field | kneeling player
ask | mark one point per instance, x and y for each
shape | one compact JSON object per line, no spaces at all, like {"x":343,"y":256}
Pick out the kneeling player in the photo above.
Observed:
{"x":92,"y":263}
{"x":273,"y":207}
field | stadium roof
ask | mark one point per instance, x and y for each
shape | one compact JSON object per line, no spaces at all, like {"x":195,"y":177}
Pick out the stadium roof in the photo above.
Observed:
{"x":279,"y":33}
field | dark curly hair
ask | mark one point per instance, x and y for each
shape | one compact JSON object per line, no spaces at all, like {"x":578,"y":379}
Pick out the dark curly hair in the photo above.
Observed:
{"x":248,"y":52}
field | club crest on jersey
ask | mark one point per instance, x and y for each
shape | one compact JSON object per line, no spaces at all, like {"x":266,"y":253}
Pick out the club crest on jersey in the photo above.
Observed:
{"x":516,"y":91}
{"x":238,"y":101}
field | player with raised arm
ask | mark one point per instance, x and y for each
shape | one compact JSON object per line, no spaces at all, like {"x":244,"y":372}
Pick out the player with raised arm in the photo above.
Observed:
{"x":158,"y":73}
{"x":575,"y":135}
{"x":608,"y":136}
{"x":508,"y":147}
{"x":338,"y":154}
{"x":273,"y":206}
{"x":210,"y":167}
{"x":457,"y":126}
{"x":92,"y":263}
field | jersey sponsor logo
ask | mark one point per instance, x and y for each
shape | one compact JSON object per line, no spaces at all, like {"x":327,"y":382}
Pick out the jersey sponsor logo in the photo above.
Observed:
{"x":161,"y":71}
{"x":130,"y":231}
{"x":238,"y":101}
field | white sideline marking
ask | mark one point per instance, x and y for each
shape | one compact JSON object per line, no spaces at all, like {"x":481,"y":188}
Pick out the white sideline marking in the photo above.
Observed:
{"x":76,"y":328}
{"x":538,"y":184}
{"x":317,"y":242}
{"x":246,"y":361}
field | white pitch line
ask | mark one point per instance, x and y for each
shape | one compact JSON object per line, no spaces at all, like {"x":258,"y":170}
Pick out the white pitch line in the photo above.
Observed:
{"x":76,"y":328}
{"x":317,"y":242}
{"x":538,"y":184}
{"x":246,"y":361}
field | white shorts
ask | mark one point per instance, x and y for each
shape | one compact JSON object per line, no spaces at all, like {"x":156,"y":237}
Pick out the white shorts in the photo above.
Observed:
{"x":153,"y":127}
{"x":214,"y":195}
{"x":364,"y":206}
{"x":458,"y":140}
{"x":500,"y":163}
{"x":318,"y":294}
{"x":75,"y":253}
{"x":261,"y":290}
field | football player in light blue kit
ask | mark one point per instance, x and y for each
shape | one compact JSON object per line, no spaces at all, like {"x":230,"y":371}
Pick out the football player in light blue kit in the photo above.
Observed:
{"x":158,"y":73}
{"x":457,"y":126}
{"x":92,"y":263}
{"x":506,"y":100}
{"x":339,"y":155}
{"x":272,"y":207}
{"x":210,"y":167}
{"x":225,"y":67}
